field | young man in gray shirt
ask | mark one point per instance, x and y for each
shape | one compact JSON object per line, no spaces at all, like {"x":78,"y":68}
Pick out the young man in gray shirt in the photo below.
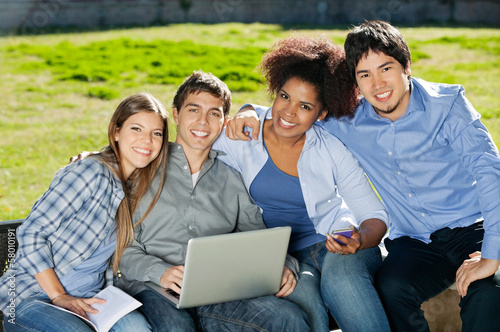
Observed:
{"x":201,"y":197}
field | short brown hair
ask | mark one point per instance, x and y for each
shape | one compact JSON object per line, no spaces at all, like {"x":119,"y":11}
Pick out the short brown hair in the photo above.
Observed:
{"x":200,"y":81}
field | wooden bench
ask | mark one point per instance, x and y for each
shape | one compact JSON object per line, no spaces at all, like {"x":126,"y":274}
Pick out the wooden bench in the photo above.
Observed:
{"x":8,"y":245}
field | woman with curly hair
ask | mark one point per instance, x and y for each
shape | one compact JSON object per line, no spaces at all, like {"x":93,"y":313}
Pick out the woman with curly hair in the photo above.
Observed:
{"x":302,"y":176}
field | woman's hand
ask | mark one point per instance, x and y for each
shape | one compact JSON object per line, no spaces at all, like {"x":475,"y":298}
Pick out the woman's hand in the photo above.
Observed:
{"x":369,"y":235}
{"x":78,"y":305}
{"x":352,"y":244}
{"x":288,"y":283}
{"x":51,"y":285}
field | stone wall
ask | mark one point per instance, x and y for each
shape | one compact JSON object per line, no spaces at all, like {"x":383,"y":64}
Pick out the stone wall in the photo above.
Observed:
{"x":34,"y":16}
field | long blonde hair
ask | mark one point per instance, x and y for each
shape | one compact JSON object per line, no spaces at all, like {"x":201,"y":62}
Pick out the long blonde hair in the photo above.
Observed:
{"x":139,"y":181}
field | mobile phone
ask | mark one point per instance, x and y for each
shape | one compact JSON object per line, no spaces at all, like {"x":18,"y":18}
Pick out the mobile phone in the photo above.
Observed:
{"x":347,"y":232}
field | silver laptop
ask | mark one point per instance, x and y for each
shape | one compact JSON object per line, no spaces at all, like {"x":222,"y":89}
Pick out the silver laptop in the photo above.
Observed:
{"x":231,"y":267}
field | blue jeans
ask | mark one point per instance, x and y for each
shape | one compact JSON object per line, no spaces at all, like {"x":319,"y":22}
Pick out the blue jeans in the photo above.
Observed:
{"x":414,"y":271}
{"x":342,"y":284}
{"x":266,"y":313}
{"x":34,"y":316}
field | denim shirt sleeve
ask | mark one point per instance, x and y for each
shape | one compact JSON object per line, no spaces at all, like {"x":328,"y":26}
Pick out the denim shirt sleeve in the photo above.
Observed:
{"x":470,"y":139}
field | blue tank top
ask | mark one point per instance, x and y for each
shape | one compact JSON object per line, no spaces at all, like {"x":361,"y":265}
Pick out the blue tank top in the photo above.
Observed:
{"x":87,"y":279}
{"x":280,"y":197}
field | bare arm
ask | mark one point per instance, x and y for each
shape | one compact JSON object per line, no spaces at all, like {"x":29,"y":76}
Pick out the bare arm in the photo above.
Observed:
{"x":51,"y":285}
{"x":369,"y":235}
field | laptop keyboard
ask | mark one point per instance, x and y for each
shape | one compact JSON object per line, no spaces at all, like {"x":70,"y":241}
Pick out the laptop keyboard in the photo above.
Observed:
{"x":174,"y":294}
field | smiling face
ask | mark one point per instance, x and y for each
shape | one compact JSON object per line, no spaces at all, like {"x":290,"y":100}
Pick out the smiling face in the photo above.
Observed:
{"x":139,"y":140}
{"x":199,"y":122}
{"x":296,"y":108}
{"x":384,"y":83}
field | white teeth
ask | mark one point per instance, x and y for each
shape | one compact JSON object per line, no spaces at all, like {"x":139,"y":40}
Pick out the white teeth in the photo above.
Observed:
{"x":383,"y":95}
{"x":200,"y":133}
{"x":142,"y":150}
{"x":286,"y":123}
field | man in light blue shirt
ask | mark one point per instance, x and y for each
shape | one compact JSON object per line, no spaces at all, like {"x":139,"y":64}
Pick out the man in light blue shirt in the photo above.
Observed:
{"x":437,"y":170}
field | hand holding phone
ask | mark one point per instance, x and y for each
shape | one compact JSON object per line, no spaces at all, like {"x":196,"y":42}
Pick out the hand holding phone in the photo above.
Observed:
{"x":347,"y":232}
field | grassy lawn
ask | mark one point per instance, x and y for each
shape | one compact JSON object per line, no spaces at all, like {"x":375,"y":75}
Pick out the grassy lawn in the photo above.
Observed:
{"x":59,"y":90}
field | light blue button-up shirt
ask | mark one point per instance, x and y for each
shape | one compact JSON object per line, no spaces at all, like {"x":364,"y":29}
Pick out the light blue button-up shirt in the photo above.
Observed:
{"x":335,"y":189}
{"x":435,"y":167}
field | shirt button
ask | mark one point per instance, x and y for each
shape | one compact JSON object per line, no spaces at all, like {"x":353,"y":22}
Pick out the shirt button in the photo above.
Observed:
{"x":423,"y":214}
{"x":185,"y":167}
{"x":329,"y":201}
{"x":390,"y":153}
{"x":193,"y":197}
{"x":190,"y":227}
{"x":399,"y":173}
{"x":392,"y":124}
{"x":409,"y":195}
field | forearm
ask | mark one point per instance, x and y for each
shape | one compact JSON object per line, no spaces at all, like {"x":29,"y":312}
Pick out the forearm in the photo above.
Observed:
{"x":137,"y":265}
{"x":371,"y":232}
{"x":50,"y":283}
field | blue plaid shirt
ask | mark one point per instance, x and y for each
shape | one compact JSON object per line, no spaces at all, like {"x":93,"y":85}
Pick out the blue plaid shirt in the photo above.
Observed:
{"x":64,"y":228}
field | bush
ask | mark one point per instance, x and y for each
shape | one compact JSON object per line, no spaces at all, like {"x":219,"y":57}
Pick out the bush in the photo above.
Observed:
{"x":103,"y":92}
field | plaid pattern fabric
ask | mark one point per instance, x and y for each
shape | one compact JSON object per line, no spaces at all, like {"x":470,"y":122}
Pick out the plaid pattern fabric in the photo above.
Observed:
{"x":64,"y":228}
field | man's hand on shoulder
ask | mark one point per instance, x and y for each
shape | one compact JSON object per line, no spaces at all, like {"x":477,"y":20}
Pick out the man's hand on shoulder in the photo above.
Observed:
{"x":474,"y":269}
{"x":246,"y":117}
{"x":81,"y":156}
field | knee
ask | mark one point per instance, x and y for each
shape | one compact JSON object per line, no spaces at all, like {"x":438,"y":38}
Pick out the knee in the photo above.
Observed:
{"x":392,"y":286}
{"x":363,"y":264}
{"x":291,"y":318}
{"x":484,"y":292}
{"x":133,"y":322}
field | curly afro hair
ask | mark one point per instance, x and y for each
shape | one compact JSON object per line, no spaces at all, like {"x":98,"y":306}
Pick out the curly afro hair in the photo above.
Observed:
{"x":315,"y":60}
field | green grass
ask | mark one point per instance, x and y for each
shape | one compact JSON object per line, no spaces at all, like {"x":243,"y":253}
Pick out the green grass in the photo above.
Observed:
{"x":59,"y":90}
{"x":127,"y":62}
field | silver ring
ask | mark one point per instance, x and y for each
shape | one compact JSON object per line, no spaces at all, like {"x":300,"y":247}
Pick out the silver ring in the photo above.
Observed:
{"x":340,"y":252}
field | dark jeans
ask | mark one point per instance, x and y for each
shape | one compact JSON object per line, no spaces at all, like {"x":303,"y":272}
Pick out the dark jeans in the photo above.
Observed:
{"x":261,"y":314}
{"x":414,"y":272}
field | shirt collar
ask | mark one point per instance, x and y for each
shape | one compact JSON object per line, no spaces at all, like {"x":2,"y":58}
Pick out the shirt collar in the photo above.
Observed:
{"x":176,"y":150}
{"x":415,"y":104}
